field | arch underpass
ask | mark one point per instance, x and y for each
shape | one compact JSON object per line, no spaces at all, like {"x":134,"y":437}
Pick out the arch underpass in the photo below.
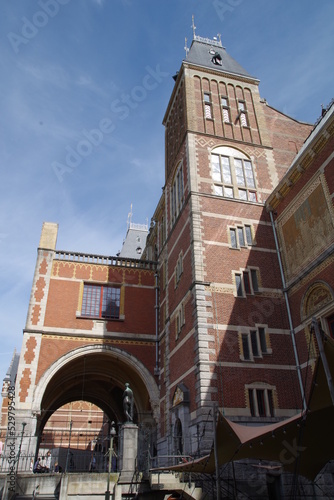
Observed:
{"x":97,"y":374}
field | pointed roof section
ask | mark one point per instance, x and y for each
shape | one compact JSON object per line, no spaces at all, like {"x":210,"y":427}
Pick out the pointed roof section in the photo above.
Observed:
{"x":211,"y":54}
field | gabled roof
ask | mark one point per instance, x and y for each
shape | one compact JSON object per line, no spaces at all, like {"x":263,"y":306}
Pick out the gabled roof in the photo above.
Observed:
{"x":211,"y":54}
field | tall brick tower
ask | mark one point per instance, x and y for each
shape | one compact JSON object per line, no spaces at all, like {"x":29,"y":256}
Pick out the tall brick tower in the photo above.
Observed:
{"x":223,"y":329}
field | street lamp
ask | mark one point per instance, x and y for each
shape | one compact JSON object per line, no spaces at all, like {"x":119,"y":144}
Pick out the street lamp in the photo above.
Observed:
{"x":111,"y":446}
{"x":19,"y":450}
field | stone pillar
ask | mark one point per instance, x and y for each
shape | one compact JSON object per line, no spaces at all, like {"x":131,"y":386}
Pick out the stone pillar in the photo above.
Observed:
{"x":129,"y":451}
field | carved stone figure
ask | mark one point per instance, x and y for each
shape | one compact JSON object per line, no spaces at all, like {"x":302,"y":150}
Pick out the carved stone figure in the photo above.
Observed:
{"x":128,"y":403}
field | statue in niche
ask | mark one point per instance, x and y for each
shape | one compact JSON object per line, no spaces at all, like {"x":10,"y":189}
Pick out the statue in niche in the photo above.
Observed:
{"x":128,"y":403}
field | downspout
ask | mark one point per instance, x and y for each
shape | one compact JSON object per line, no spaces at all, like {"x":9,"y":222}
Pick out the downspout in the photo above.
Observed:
{"x":292,"y":331}
{"x":156,"y":307}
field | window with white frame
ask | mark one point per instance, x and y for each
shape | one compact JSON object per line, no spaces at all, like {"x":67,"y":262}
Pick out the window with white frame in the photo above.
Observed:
{"x":232,"y":174}
{"x":225,"y":109}
{"x":177,"y":194}
{"x":261,"y":401}
{"x":254,"y":344}
{"x":207,"y":106}
{"x":246,"y":282}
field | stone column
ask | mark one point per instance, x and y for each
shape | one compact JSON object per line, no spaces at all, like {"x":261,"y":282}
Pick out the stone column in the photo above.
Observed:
{"x":129,"y":451}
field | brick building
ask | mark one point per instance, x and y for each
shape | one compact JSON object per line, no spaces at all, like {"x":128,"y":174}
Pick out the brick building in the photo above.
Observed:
{"x":208,"y":316}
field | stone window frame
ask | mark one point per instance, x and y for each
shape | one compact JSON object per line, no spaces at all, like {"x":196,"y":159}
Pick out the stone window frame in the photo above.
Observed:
{"x":239,"y":240}
{"x":246,"y":281}
{"x":253,"y":393}
{"x":254,"y":343}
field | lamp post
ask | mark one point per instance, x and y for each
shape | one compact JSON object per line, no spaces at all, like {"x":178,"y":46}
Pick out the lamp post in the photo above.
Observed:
{"x":111,"y":446}
{"x":19,"y":450}
{"x":69,"y":445}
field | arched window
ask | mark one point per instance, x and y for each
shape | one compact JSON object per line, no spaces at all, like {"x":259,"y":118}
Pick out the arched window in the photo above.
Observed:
{"x":233,"y":175}
{"x":178,"y":437}
{"x":176,"y":194}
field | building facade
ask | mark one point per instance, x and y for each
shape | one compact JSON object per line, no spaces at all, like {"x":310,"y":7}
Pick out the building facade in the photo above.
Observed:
{"x":215,"y":312}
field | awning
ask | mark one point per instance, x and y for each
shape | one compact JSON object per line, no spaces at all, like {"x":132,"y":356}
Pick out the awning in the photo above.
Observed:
{"x":302,"y":444}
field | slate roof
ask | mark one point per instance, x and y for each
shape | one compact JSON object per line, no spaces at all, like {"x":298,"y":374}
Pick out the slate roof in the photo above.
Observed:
{"x":203,"y":52}
{"x":135,"y":241}
{"x":12,"y":370}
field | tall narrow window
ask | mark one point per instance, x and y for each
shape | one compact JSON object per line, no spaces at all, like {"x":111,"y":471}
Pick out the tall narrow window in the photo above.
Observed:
{"x":225,"y":110}
{"x":177,"y":194}
{"x":255,"y":347}
{"x":247,"y":287}
{"x":238,"y":284}
{"x":233,"y":238}
{"x":261,"y":402}
{"x":243,"y":113}
{"x":263,"y":340}
{"x":254,"y":280}
{"x":248,"y":232}
{"x":245,"y":346}
{"x":241,"y":237}
{"x":207,"y":105}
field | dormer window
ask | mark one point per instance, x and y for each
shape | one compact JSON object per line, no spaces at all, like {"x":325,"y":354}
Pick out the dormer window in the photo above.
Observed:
{"x":217,"y":59}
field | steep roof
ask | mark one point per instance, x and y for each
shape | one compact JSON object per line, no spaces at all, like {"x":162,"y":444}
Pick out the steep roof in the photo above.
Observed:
{"x":211,"y":54}
{"x":12,"y":370}
{"x":135,"y":241}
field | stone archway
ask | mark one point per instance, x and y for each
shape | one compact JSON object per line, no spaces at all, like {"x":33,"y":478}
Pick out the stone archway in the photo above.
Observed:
{"x":96,"y":374}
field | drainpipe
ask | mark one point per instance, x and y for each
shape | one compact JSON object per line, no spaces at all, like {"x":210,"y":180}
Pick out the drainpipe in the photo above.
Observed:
{"x":156,"y":307}
{"x":292,"y":331}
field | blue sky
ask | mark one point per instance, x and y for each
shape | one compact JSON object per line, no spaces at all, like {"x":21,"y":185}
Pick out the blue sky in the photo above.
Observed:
{"x":101,"y":70}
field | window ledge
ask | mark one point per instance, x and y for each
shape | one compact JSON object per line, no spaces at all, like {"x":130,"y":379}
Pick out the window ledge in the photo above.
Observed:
{"x":78,"y":315}
{"x":246,"y":360}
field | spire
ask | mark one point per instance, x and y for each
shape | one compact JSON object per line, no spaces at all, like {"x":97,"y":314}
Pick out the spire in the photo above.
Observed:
{"x":186,"y":46}
{"x":130,"y":214}
{"x":193,"y":27}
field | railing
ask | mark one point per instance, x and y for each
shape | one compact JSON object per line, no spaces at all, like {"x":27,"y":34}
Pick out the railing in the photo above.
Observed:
{"x":139,"y":227}
{"x":215,"y":42}
{"x":104,"y":260}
